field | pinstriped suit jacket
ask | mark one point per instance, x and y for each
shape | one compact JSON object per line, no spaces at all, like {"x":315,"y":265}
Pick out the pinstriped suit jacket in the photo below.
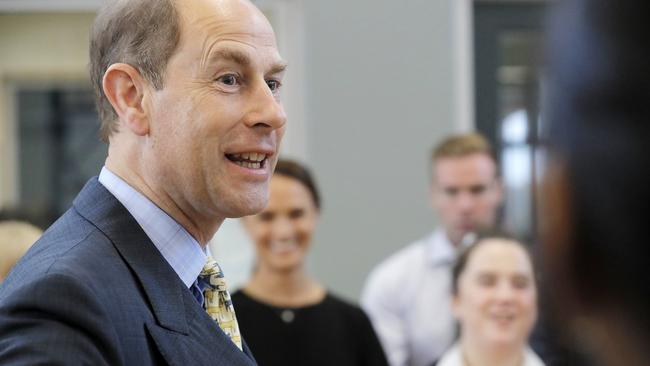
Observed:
{"x":94,"y":290}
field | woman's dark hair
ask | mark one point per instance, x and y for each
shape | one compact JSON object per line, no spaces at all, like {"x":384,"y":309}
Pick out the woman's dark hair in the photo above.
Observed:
{"x":299,"y":172}
{"x":469,"y":246}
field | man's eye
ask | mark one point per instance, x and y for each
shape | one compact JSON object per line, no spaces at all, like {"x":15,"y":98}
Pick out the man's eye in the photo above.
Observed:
{"x":477,"y":190}
{"x":451,"y":192}
{"x":273,"y":84}
{"x":229,"y":79}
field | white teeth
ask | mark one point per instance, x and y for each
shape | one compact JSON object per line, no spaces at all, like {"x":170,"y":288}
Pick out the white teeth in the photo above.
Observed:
{"x":257,"y":157}
{"x":280,"y":247}
{"x":503,"y":317}
{"x":249,"y":160}
{"x":250,"y":156}
{"x":249,"y":165}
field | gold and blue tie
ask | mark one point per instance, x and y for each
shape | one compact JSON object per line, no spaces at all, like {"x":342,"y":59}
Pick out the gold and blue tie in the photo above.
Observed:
{"x":217,"y":301}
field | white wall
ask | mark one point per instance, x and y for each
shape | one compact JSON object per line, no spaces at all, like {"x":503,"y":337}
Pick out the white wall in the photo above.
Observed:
{"x":382,"y":82}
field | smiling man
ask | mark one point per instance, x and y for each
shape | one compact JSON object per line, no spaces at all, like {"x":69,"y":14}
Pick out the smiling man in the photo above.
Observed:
{"x":408,"y":295}
{"x":188,"y":95}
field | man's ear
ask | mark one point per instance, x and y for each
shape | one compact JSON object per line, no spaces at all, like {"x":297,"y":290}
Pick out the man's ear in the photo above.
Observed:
{"x":125,"y":88}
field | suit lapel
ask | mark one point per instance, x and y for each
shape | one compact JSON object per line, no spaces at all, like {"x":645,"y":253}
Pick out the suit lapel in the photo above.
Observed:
{"x":183,"y":332}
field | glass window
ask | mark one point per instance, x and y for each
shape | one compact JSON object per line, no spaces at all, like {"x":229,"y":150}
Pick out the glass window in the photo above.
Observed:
{"x":58,"y":148}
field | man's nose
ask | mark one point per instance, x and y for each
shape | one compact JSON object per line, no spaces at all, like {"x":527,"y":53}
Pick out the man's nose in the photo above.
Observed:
{"x":466,"y":201}
{"x":265,"y":109}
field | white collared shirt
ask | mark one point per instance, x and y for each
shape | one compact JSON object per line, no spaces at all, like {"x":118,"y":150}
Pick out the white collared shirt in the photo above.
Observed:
{"x":407,"y":298}
{"x":183,"y":253}
{"x":454,"y":357}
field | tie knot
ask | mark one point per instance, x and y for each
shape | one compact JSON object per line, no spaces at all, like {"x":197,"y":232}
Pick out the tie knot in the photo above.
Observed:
{"x":212,"y":275}
{"x":211,"y":268}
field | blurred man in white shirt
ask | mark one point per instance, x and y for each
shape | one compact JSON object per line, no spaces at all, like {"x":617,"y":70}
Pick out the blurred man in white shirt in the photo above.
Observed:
{"x":407,"y":295}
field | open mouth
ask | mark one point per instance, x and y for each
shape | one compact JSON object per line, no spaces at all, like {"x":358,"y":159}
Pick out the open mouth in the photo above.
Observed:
{"x":283,"y":247}
{"x":249,"y":160}
{"x":503,"y":318}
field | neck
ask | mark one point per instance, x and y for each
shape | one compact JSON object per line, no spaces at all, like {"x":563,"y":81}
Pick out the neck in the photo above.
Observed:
{"x":484,"y":355}
{"x":201,"y":229}
{"x":454,"y":241}
{"x":292,"y":288}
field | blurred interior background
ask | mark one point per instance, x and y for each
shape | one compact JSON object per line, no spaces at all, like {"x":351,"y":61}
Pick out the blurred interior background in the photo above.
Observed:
{"x":372,"y":86}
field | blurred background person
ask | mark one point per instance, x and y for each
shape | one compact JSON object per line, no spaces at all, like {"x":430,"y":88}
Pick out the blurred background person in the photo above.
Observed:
{"x":495,"y":303}
{"x":596,"y":190}
{"x":287,"y":317}
{"x":407,"y":295}
{"x":16,"y":237}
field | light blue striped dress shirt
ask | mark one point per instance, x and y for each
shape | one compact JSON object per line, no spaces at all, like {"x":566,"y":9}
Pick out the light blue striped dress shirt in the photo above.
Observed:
{"x":183,"y":253}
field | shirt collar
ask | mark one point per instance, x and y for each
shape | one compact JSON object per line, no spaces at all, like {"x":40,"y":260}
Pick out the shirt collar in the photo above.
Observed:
{"x":441,"y":250}
{"x":183,"y":253}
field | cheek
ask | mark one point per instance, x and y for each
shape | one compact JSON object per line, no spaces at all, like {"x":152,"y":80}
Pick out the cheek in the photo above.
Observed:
{"x":304,"y":230}
{"x":447,"y":209}
{"x":280,"y":132}
{"x":259,"y":232}
{"x":471,"y":304}
{"x":529,"y":303}
{"x":487,"y":204}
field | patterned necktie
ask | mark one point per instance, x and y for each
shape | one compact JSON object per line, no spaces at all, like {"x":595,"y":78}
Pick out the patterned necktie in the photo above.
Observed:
{"x":217,"y":301}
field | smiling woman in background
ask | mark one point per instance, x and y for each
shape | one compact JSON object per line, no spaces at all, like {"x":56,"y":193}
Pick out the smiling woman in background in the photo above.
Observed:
{"x":286,"y":317}
{"x":495,"y":303}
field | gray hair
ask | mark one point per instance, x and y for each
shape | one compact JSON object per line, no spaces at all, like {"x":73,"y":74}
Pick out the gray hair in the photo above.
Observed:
{"x":141,"y":33}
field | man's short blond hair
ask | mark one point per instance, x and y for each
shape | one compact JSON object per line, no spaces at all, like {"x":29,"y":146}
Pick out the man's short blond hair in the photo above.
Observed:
{"x":458,"y":146}
{"x":462,"y":145}
{"x":16,"y":237}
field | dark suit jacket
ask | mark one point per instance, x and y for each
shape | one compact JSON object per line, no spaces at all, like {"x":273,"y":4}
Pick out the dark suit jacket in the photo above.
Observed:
{"x":94,"y":290}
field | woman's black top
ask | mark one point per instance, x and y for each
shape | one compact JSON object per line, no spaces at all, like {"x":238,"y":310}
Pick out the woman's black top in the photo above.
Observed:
{"x":330,"y":333}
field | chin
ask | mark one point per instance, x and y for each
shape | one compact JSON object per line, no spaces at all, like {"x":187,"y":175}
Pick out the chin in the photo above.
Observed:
{"x":506,"y":340}
{"x":285,"y":267}
{"x":250,"y":203}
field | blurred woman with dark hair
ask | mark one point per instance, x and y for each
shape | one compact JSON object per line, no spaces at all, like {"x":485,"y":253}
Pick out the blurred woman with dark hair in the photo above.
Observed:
{"x":287,"y":317}
{"x":494,"y":300}
{"x":596,"y":192}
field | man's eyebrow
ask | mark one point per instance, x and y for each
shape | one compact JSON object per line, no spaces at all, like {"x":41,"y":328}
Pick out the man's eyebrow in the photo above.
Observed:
{"x":229,"y":55}
{"x":278,"y":67}
{"x":242,"y":59}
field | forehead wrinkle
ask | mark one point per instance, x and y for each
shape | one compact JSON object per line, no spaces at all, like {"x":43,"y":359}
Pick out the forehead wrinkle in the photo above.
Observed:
{"x":213,"y":52}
